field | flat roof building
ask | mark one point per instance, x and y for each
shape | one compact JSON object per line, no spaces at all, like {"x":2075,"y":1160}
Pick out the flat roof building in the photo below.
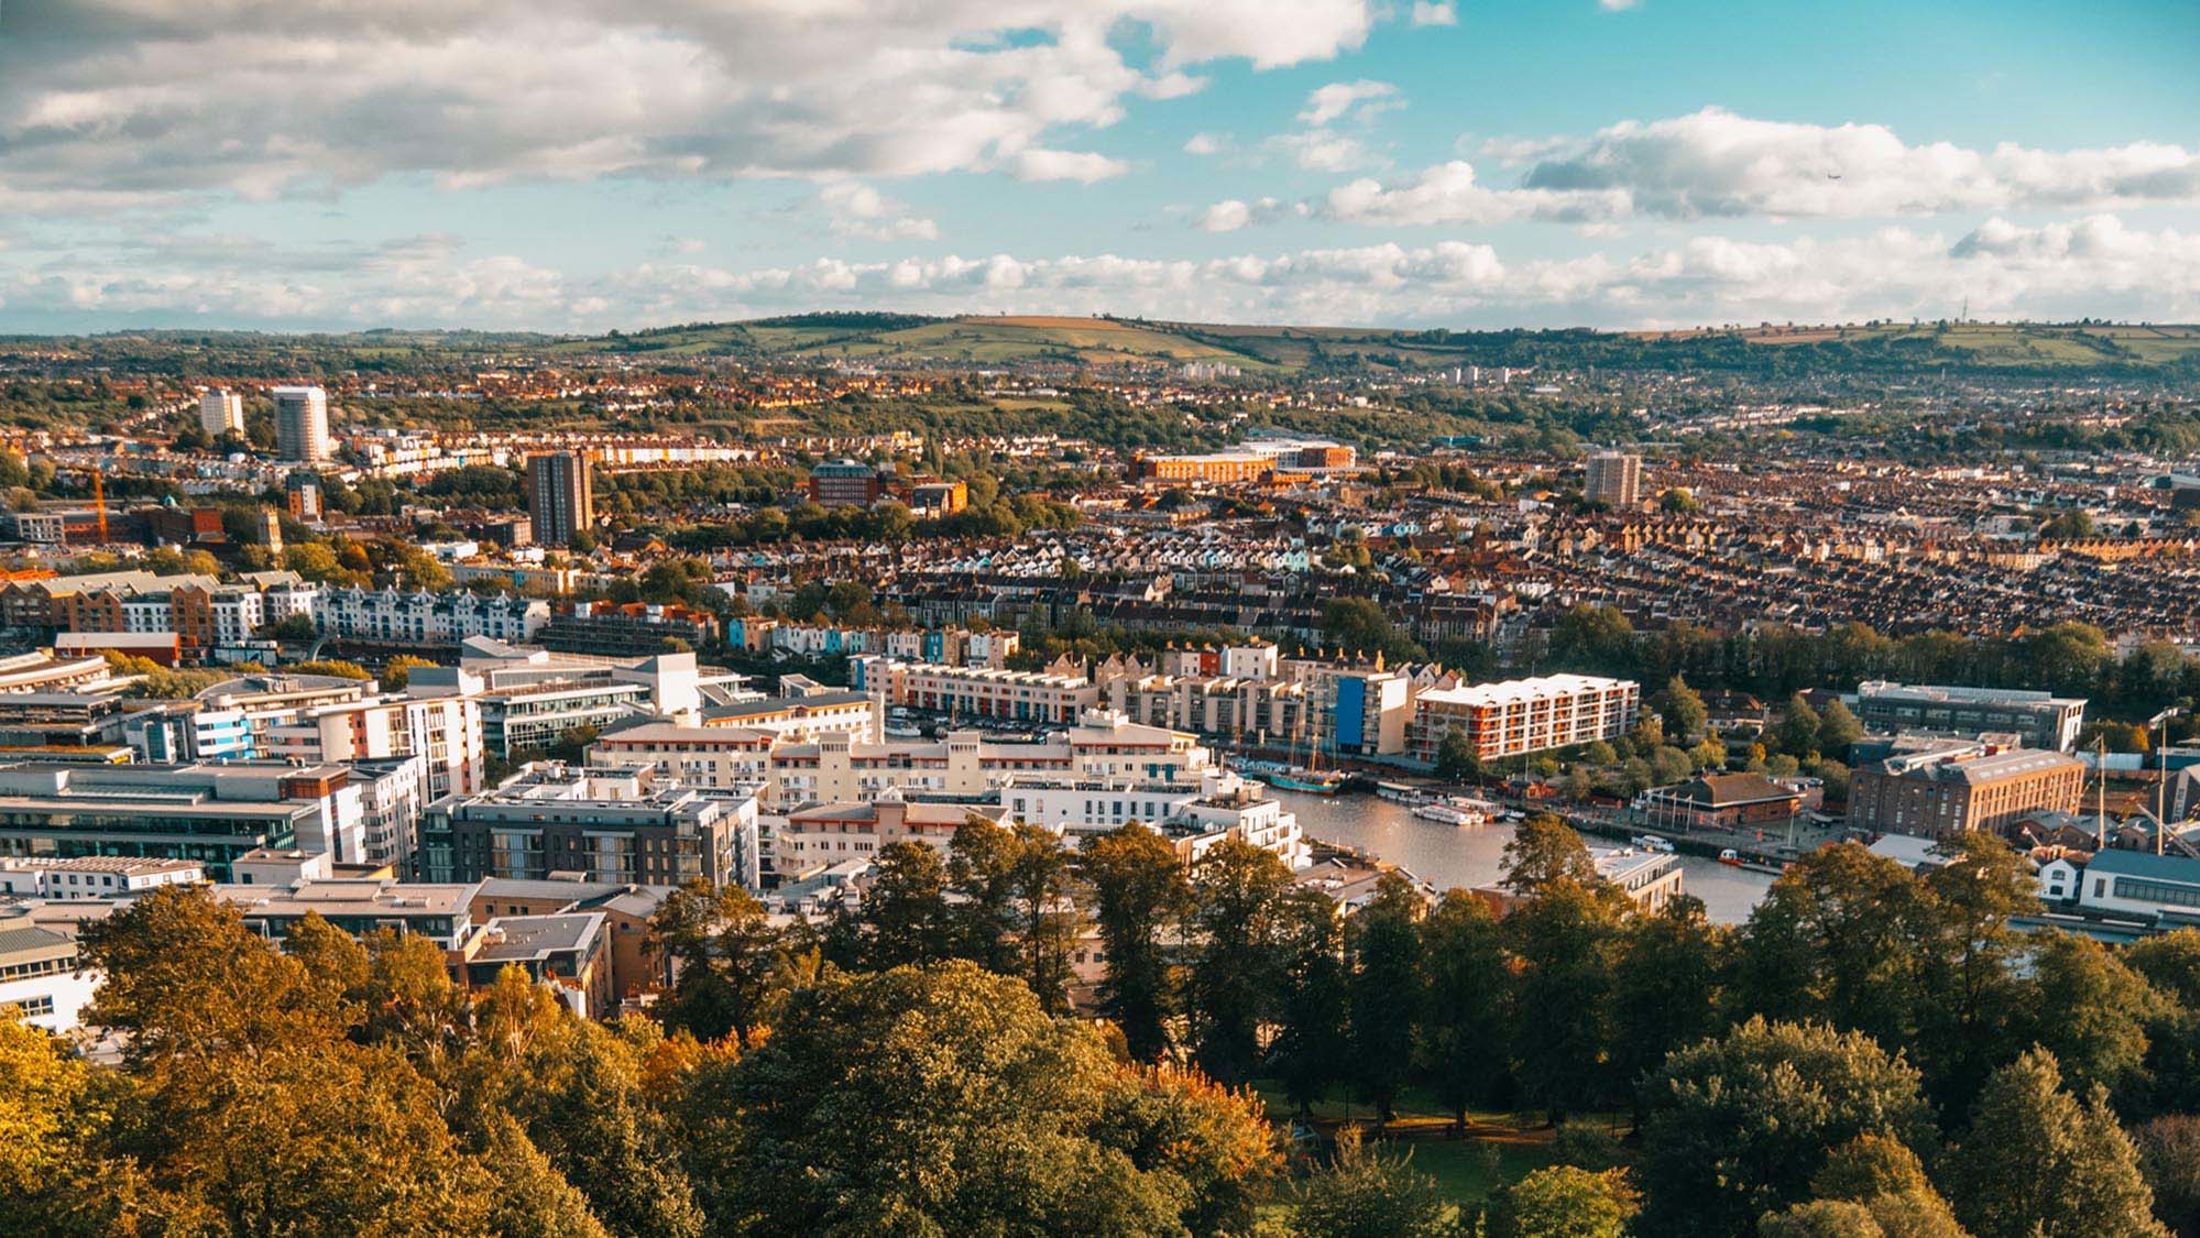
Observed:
{"x":2040,"y":719}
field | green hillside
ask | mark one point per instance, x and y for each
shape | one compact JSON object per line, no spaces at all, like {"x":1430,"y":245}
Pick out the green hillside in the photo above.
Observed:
{"x":2058,"y":350}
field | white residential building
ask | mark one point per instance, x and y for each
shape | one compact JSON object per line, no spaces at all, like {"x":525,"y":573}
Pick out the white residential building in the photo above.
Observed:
{"x":398,"y":617}
{"x":221,"y":412}
{"x":301,"y":424}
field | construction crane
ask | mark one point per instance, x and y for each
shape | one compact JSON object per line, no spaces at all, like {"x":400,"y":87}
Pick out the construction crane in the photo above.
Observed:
{"x":99,"y":502}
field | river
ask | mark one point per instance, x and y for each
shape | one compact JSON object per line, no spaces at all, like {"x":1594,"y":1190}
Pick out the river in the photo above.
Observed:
{"x":1446,"y":856}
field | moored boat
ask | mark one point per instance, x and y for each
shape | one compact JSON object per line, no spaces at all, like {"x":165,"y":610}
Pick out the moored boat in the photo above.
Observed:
{"x":1312,"y":782}
{"x":1451,"y":814}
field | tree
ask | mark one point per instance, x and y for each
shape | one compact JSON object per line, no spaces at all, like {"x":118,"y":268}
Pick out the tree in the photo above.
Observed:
{"x":1739,"y":1125}
{"x":906,"y":913}
{"x":397,"y":672}
{"x":1237,"y":892}
{"x":1871,"y":1185}
{"x":1560,"y":942}
{"x":1048,"y":925}
{"x":1361,"y":625}
{"x":1456,"y":759}
{"x":943,"y":1100}
{"x":2169,"y":1157}
{"x":730,"y":970}
{"x":1595,"y":640}
{"x":981,"y":862}
{"x":1365,"y":1194}
{"x":531,"y":1198}
{"x":2024,"y":1118}
{"x":2092,"y":1013}
{"x":1565,"y":1201}
{"x":1973,"y":992}
{"x":1837,"y":939}
{"x":1682,"y":709}
{"x":1797,"y":731}
{"x":1312,"y":1048}
{"x":1838,"y":727}
{"x":1460,"y":1047}
{"x":1140,"y":895}
{"x":1544,"y":850}
{"x":1665,"y":988}
{"x":1384,"y":938}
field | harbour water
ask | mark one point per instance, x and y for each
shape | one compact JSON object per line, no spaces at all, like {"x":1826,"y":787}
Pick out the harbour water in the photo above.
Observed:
{"x":1446,"y":856}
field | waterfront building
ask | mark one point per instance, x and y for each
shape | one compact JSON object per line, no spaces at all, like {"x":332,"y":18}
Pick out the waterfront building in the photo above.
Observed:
{"x":2037,"y":719}
{"x":1521,"y":716}
{"x":1950,"y":787}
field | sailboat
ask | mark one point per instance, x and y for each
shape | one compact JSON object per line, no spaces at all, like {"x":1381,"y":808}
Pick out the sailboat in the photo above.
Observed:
{"x":1310,"y":778}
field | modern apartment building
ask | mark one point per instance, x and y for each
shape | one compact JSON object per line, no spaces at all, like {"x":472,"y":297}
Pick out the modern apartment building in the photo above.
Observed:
{"x":1615,"y":479}
{"x":301,"y":425}
{"x":615,"y":826}
{"x":2038,"y":719}
{"x":976,"y":692}
{"x":844,"y":483}
{"x":416,"y":617}
{"x":208,"y":814}
{"x":221,"y":411}
{"x":561,"y":496}
{"x":1519,"y":716}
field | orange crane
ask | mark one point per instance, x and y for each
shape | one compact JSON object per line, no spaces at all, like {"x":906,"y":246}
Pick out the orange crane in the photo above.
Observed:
{"x":99,"y":502}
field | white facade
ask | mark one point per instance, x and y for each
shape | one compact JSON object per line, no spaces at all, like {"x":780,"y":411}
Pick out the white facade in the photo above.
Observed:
{"x":221,"y":412}
{"x":391,"y":616}
{"x":301,"y":424}
{"x":39,"y":976}
{"x":101,"y":876}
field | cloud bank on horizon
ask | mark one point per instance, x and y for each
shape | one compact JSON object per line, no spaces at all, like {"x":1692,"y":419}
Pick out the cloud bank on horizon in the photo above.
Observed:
{"x":559,"y":164}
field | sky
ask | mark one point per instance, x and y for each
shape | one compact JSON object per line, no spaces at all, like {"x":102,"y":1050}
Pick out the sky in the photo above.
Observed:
{"x":579,"y":165}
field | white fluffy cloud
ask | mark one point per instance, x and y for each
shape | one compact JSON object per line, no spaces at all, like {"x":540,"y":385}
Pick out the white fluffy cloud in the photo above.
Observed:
{"x":1435,"y":13}
{"x":853,"y":208}
{"x":1715,"y":164}
{"x":1341,"y":100}
{"x":106,"y":100}
{"x":2093,"y":265}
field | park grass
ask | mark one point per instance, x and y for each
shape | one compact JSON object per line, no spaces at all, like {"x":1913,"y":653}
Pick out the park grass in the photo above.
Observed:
{"x":1464,"y":1171}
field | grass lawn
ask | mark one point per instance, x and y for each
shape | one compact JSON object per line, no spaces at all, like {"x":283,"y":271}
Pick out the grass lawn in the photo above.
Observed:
{"x":1462,"y":1168}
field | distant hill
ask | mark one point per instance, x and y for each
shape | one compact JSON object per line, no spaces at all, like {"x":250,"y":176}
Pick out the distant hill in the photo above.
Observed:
{"x":2042,"y":348}
{"x":2074,"y":350}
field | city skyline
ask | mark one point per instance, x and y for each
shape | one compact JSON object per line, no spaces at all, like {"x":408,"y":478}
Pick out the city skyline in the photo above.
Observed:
{"x":1615,"y":164}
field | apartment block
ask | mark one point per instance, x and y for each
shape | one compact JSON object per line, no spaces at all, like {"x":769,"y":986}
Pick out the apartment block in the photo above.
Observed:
{"x":1520,"y":716}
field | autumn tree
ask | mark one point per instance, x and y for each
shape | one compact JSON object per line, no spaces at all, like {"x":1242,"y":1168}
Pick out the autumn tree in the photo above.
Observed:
{"x":1140,"y":895}
{"x":2025,"y":1119}
{"x":1739,"y":1125}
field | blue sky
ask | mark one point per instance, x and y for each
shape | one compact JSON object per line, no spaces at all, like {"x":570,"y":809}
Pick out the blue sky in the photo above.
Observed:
{"x":574,"y":165}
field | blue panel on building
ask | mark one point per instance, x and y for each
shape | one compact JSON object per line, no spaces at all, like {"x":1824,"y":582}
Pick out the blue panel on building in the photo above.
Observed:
{"x":1351,"y":713}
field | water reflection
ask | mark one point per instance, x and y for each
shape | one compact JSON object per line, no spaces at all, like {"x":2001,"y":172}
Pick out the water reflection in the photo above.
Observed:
{"x":1445,"y":856}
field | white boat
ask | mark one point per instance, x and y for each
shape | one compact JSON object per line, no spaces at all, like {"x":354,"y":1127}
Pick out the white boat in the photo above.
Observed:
{"x":1400,"y":793}
{"x":1451,"y":814}
{"x":1652,"y":842}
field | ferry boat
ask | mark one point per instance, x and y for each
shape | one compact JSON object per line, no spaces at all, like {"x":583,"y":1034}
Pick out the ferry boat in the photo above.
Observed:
{"x":1461,"y":815}
{"x":1400,"y":793}
{"x":1312,"y":782}
{"x":1652,"y":842}
{"x":1731,"y":858}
